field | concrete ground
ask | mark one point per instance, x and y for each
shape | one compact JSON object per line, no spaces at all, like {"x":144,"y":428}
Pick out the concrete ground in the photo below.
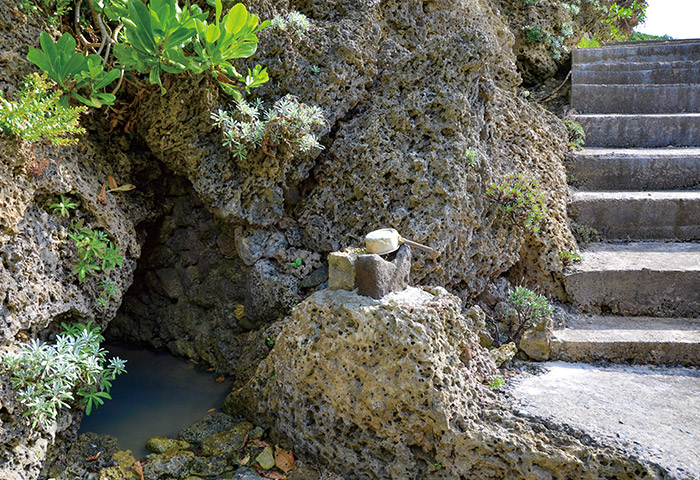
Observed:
{"x":651,"y":412}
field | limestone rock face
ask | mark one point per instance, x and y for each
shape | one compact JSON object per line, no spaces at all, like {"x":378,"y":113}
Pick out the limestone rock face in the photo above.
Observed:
{"x":392,"y":389}
{"x":409,"y":90}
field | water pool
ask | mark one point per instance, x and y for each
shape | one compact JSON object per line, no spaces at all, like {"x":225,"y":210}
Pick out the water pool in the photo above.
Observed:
{"x":159,"y":395}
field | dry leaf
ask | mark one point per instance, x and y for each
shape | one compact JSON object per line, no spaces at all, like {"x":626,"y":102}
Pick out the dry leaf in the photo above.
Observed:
{"x":259,"y":443}
{"x":221,"y":379}
{"x":94,"y":457}
{"x":210,"y":369}
{"x":112,"y":182}
{"x":244,"y":460}
{"x":275,"y":475}
{"x":211,"y":410}
{"x":124,"y":188}
{"x":284,"y":459}
{"x":138,"y":468}
{"x":102,"y":197}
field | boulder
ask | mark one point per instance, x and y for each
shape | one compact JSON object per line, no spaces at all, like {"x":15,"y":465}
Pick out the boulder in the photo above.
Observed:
{"x":394,"y":389}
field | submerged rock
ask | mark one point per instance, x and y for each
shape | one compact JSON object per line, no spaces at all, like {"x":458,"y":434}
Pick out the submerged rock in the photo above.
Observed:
{"x":166,"y":445}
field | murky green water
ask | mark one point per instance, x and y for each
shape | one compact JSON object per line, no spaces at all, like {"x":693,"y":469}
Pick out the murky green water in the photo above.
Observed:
{"x":159,"y":395}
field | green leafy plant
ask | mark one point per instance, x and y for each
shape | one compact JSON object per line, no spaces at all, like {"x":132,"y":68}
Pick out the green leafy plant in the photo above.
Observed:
{"x":156,"y":36}
{"x":315,"y":69}
{"x":496,"y":383}
{"x":269,"y":342}
{"x":569,"y":258}
{"x":438,"y":464}
{"x":296,"y":263}
{"x":96,"y":252}
{"x":108,"y":290}
{"x":585,"y":234}
{"x":37,"y":115}
{"x":577,"y":136}
{"x":51,"y":9}
{"x":48,"y":377}
{"x":63,"y":207}
{"x":535,"y":34}
{"x":72,"y":70}
{"x":528,"y":309}
{"x":472,"y":157}
{"x":233,"y":36}
{"x":295,"y":23}
{"x":521,"y":199}
{"x":288,"y":122}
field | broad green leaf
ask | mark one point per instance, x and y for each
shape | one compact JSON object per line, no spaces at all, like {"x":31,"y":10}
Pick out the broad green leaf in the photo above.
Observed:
{"x":212,"y":33}
{"x":236,"y":18}
{"x":106,"y":98}
{"x":218,"y":12}
{"x":178,"y":39}
{"x":84,"y":100}
{"x":108,"y":78}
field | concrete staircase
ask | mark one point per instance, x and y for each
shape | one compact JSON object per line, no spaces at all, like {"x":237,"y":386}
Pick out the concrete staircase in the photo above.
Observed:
{"x":639,"y":180}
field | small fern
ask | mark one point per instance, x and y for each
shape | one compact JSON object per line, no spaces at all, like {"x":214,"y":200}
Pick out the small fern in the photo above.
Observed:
{"x":36,"y":116}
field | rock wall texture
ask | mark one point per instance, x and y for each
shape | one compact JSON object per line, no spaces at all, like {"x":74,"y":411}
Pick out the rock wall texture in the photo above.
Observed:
{"x":422,"y":116}
{"x":394,"y":389}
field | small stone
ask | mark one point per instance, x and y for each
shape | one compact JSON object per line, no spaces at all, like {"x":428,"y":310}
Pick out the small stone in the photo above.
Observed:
{"x":239,"y":312}
{"x":227,"y":441}
{"x":209,"y":466}
{"x":376,"y":276}
{"x":536,"y":340}
{"x":210,"y":424}
{"x":341,"y":270}
{"x":245,"y":474}
{"x":504,"y":353}
{"x":266,"y":459}
{"x":168,"y":465}
{"x":315,"y":278}
{"x":165,"y":444}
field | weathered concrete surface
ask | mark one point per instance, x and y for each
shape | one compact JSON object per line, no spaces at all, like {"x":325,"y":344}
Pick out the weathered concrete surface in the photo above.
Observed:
{"x":669,"y":341}
{"x":652,"y":51}
{"x":636,"y":98}
{"x":620,"y":130}
{"x":640,"y":72}
{"x":653,"y":413}
{"x":635,"y":168}
{"x":394,"y":389}
{"x":656,"y":279}
{"x":639,"y":215}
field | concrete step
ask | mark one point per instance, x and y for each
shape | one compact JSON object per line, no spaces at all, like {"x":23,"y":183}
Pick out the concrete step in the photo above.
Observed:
{"x":672,"y":215}
{"x":637,"y":279}
{"x":641,"y":131}
{"x":639,"y":98}
{"x":650,"y":412}
{"x":636,"y":73}
{"x":658,"y":51}
{"x":669,"y":341}
{"x":635,"y":169}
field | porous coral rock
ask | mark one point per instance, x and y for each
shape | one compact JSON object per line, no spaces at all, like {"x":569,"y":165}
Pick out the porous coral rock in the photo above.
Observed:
{"x":382,"y":389}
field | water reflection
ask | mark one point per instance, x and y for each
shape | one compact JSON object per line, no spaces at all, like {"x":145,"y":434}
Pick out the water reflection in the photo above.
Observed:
{"x":159,"y":395}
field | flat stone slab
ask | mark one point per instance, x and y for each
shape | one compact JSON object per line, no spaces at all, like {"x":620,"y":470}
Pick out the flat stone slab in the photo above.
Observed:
{"x":644,"y":72}
{"x":638,"y":278}
{"x":641,"y":130}
{"x":635,"y":168}
{"x":653,"y":413}
{"x":620,"y":215}
{"x":590,"y":338}
{"x":635,"y":52}
{"x":636,"y":98}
